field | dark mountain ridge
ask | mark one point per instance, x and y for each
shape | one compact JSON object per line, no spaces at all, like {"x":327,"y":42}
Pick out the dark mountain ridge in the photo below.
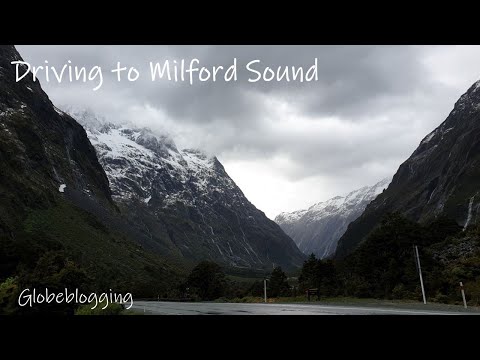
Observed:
{"x":441,"y":177}
{"x":49,"y":177}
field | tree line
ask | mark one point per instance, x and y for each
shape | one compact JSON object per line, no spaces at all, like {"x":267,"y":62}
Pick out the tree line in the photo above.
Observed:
{"x":383,"y":267}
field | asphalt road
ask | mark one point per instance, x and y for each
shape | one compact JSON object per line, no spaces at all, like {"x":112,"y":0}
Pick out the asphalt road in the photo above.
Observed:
{"x":182,"y":308}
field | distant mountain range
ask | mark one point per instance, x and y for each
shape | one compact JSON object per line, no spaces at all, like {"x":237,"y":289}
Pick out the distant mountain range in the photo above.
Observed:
{"x":317,"y":229}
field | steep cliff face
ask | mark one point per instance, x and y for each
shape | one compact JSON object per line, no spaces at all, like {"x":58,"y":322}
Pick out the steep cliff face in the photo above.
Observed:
{"x":54,"y":194}
{"x":441,"y":177}
{"x":317,"y":229}
{"x":41,"y":149}
{"x":186,"y":198}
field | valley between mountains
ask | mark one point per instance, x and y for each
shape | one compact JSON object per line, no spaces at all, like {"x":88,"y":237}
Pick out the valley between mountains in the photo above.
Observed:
{"x":91,"y":203}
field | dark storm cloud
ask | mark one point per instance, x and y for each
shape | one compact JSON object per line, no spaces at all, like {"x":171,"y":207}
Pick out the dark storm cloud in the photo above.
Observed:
{"x":371,"y":103}
{"x":351,"y":78}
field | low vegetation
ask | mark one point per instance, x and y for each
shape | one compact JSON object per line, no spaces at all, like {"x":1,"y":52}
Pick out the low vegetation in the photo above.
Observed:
{"x":104,"y":309}
{"x":65,"y":247}
{"x":382,"y":267}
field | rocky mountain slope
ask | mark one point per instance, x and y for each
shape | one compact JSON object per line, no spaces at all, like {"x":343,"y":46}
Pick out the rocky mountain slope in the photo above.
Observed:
{"x":317,"y":229}
{"x":185,"y":199}
{"x":49,"y":177}
{"x":441,"y":177}
{"x":41,"y":147}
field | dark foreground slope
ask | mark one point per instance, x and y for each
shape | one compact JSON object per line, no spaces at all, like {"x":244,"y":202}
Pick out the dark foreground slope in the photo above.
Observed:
{"x":49,"y":175}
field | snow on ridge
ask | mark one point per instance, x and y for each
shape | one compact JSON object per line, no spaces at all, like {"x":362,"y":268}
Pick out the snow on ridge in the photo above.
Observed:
{"x":119,"y":145}
{"x":334,"y":202}
{"x":140,"y":163}
{"x":137,"y":156}
{"x":429,"y":137}
{"x":336,"y":205}
{"x":476,"y":85}
{"x":57,"y":110}
{"x":380,"y":186}
{"x":288,"y":217}
{"x":196,"y":159}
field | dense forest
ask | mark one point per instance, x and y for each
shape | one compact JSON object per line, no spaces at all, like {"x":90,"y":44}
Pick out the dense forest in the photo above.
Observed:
{"x":384,"y":264}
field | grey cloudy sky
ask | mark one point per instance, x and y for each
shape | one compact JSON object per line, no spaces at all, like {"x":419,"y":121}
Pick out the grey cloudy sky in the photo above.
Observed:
{"x":287,"y":145}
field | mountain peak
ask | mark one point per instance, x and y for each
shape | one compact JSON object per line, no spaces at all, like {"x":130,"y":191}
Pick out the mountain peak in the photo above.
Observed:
{"x":469,"y":101}
{"x":96,"y":123}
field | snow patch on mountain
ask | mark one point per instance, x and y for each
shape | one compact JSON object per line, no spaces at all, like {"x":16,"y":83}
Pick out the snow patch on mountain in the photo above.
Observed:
{"x":429,"y":137}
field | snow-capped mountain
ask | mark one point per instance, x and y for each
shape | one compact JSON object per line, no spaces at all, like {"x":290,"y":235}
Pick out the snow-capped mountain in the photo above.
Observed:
{"x":317,"y":229}
{"x":185,"y":198}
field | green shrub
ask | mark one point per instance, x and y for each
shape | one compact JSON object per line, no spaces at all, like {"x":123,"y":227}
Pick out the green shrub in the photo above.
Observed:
{"x":111,"y":309}
{"x":8,"y":290}
{"x":440,"y":298}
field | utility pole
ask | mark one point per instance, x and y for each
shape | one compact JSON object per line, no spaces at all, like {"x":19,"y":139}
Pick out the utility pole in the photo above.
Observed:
{"x":265,"y":289}
{"x":420,"y":274}
{"x":463,"y":295}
